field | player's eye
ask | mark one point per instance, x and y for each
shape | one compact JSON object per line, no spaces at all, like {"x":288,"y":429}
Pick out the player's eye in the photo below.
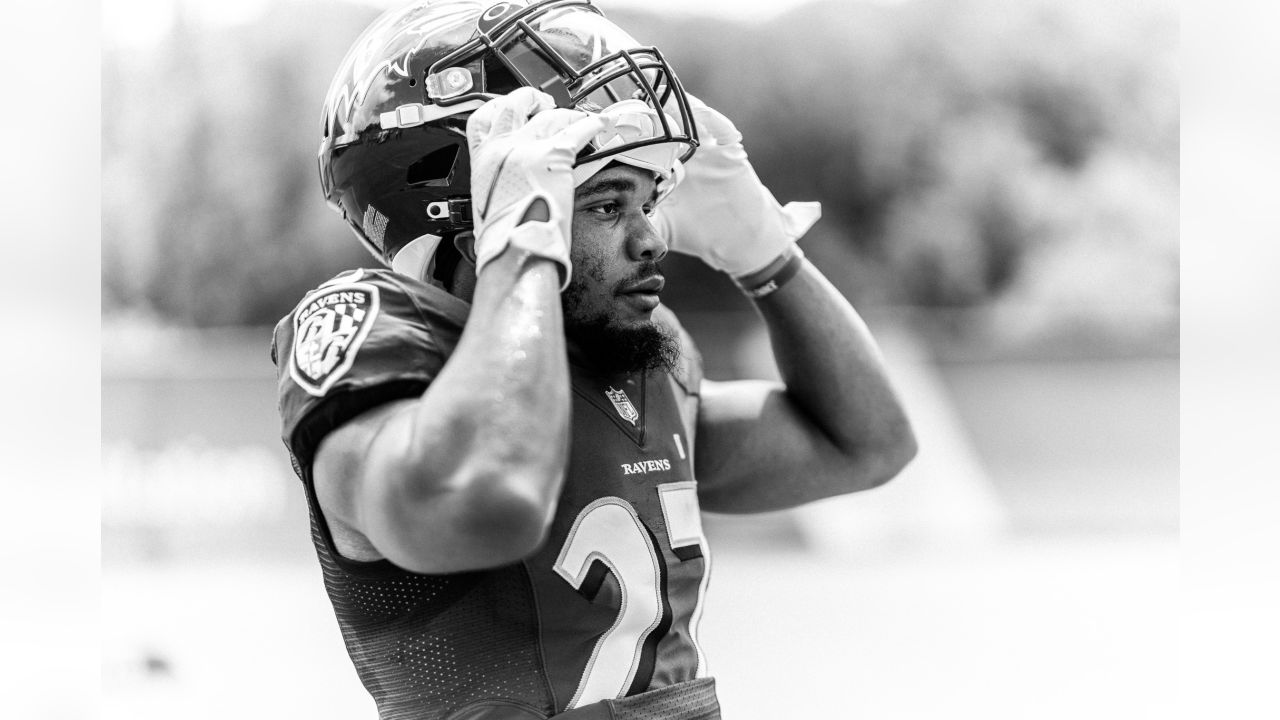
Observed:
{"x":609,"y":209}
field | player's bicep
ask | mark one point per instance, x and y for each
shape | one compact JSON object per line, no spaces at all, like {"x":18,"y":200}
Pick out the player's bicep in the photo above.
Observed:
{"x":755,"y":450}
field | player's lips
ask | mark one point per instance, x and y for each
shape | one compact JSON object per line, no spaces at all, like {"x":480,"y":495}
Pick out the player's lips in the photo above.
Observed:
{"x":652,"y":284}
{"x":644,"y":293}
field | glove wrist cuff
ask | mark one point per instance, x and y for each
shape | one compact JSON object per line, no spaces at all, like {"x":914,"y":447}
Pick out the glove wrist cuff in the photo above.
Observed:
{"x":532,"y":239}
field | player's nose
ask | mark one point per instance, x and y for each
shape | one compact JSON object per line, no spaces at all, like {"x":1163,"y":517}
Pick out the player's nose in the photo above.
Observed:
{"x":643,"y":240}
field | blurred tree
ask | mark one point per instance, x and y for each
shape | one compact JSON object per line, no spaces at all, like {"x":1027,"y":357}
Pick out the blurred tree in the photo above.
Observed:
{"x":967,"y":152}
{"x":212,"y":214}
{"x":936,"y":133}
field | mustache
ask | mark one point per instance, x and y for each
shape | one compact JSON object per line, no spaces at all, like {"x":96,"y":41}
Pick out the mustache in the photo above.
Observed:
{"x":648,"y":269}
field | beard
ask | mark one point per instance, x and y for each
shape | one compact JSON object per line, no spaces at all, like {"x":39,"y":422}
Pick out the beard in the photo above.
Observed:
{"x":614,"y":350}
{"x":609,"y":347}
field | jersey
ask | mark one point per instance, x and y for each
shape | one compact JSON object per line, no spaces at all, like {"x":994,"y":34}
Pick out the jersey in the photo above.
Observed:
{"x":601,"y":621}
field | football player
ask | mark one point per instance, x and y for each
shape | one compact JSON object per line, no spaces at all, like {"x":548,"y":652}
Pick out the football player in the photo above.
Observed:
{"x":504,"y":437}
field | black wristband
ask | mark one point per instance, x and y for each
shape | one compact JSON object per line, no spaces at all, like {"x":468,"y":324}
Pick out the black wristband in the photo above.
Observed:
{"x":764,"y":287}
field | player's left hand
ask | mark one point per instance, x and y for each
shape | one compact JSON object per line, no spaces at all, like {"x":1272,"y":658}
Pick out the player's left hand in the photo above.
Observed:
{"x":720,"y":211}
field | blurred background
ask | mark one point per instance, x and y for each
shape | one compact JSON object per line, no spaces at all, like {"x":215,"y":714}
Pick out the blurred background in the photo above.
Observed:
{"x":1000,"y":183}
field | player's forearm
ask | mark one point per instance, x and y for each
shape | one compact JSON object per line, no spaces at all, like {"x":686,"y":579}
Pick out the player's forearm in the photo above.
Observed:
{"x":491,"y":434}
{"x":835,"y":374}
{"x":507,"y":383}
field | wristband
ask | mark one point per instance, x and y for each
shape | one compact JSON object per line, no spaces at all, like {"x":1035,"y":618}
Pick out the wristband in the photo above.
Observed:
{"x":766,"y":282}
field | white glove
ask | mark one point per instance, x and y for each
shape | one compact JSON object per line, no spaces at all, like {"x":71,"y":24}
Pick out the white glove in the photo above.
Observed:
{"x":522,"y":150}
{"x":720,"y":211}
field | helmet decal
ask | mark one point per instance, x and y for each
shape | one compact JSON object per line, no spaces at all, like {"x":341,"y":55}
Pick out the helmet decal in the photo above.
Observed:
{"x":496,"y":14}
{"x":412,"y":28}
{"x":375,"y":226}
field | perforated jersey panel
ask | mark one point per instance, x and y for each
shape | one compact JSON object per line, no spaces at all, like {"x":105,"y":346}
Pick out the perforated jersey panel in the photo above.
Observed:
{"x":425,"y":645}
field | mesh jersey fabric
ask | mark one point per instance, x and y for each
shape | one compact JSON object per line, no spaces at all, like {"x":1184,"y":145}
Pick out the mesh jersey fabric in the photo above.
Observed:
{"x":692,"y":700}
{"x":572,"y":626}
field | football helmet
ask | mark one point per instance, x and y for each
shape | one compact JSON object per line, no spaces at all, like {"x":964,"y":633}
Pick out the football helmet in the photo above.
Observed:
{"x":393,"y":155}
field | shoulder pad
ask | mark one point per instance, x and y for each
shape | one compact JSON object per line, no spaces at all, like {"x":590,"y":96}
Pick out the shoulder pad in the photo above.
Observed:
{"x":362,"y":338}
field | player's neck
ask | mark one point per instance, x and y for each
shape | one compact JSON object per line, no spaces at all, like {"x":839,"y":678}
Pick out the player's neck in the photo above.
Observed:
{"x":463,"y":283}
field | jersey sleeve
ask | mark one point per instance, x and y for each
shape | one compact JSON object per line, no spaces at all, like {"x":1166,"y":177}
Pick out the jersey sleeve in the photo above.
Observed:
{"x":359,"y":340}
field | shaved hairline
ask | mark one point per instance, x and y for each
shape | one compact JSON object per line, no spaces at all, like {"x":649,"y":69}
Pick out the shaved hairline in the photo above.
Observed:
{"x":619,"y":184}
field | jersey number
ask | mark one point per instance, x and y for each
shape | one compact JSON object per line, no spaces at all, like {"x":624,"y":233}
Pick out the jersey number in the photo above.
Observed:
{"x":608,"y":536}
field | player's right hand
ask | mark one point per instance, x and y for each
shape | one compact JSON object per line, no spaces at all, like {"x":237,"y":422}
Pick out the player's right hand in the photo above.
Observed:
{"x":522,"y":153}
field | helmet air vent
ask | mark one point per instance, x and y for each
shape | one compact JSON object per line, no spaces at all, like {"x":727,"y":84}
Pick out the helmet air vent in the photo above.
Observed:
{"x":435,"y":168}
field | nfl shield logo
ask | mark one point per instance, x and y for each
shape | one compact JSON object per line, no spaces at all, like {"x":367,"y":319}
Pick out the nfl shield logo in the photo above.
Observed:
{"x":328,"y":329}
{"x":622,"y":404}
